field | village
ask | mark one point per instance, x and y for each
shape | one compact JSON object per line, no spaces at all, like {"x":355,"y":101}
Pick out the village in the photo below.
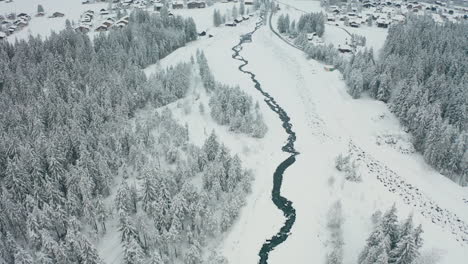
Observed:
{"x":383,"y":13}
{"x":113,"y":15}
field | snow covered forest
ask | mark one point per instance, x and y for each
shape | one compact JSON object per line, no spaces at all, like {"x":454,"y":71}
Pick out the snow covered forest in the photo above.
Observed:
{"x":66,"y":105}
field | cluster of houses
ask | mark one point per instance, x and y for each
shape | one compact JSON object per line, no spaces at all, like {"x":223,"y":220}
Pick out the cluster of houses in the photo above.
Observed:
{"x":386,"y":12}
{"x":190,"y":4}
{"x":12,"y":22}
{"x":86,"y":21}
{"x":237,"y":20}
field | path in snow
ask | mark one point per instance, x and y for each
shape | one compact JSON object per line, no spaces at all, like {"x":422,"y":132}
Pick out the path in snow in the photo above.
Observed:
{"x":281,"y":202}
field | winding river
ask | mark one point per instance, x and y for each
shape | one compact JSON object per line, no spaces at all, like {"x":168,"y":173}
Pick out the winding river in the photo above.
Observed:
{"x":280,"y":201}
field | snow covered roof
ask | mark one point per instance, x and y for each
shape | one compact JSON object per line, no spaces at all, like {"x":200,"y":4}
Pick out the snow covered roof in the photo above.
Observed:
{"x":2,"y":35}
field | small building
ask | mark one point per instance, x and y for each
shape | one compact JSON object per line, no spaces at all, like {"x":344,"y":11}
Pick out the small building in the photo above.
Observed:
{"x":108,"y":23}
{"x":3,"y":35}
{"x":57,"y":14}
{"x":203,"y":33}
{"x":238,"y":19}
{"x":329,"y":68}
{"x":248,"y":2}
{"x":40,"y":14}
{"x":84,"y":2}
{"x":245,"y":17}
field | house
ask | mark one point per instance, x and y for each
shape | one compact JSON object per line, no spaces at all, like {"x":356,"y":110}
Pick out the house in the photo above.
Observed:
{"x":40,"y":14}
{"x":230,"y":24}
{"x":177,"y":5}
{"x":84,"y":2}
{"x":399,"y":18}
{"x":248,"y":2}
{"x":331,"y":18}
{"x":245,"y":17}
{"x":310,"y":36}
{"x":121,"y":24}
{"x":57,"y":14}
{"x":238,"y":19}
{"x":101,"y":28}
{"x":82,"y":29}
{"x":345,"y":48}
{"x":203,"y":33}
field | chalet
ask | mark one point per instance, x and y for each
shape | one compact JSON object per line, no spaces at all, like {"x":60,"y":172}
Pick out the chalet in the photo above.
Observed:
{"x":126,"y":18}
{"x":103,"y":12}
{"x":230,"y":24}
{"x":82,"y":29}
{"x":40,"y":14}
{"x":331,"y":18}
{"x":238,"y":19}
{"x":122,"y":21}
{"x":203,"y":33}
{"x":24,"y":16}
{"x":101,"y":28}
{"x":2,"y":35}
{"x":248,"y":2}
{"x":399,"y":18}
{"x":245,"y":17}
{"x":57,"y":14}
{"x":177,"y":5}
{"x":345,"y":48}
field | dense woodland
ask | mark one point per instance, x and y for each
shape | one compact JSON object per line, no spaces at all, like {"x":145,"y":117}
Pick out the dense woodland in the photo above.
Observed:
{"x":422,"y":74}
{"x":65,"y":105}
